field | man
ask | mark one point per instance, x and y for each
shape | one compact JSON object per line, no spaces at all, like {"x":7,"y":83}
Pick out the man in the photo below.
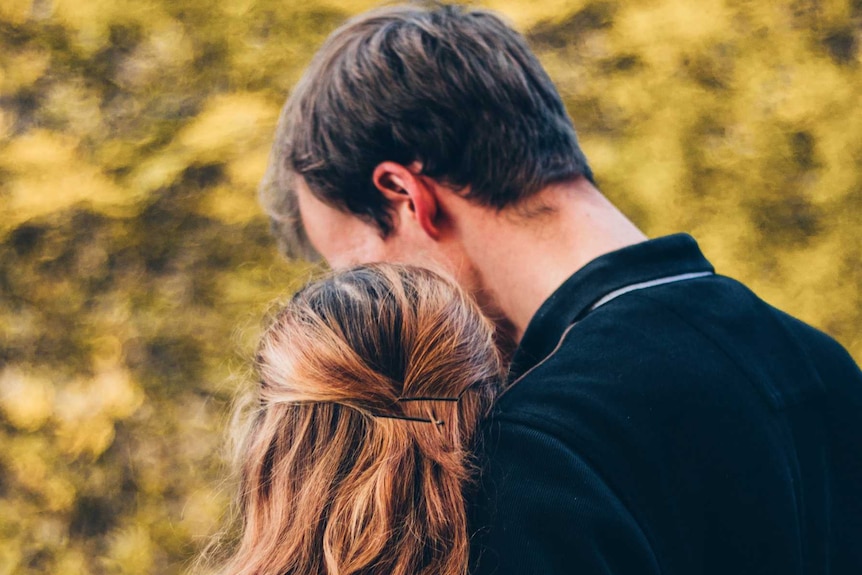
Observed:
{"x":661,"y":418}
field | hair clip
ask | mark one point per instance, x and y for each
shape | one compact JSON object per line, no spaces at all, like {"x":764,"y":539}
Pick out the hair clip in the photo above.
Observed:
{"x":409,"y":418}
{"x":421,"y":398}
{"x":419,"y":419}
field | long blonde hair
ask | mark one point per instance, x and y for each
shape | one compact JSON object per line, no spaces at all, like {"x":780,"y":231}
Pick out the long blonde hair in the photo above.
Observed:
{"x":373,"y":383}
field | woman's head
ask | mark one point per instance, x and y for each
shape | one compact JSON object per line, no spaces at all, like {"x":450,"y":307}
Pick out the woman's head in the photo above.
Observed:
{"x":372,"y":384}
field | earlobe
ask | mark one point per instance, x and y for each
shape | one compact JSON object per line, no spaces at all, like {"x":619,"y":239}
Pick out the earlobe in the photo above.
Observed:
{"x":408,"y":192}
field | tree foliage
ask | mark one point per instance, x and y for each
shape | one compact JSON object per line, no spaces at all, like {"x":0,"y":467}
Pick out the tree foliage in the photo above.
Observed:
{"x":135,"y":263}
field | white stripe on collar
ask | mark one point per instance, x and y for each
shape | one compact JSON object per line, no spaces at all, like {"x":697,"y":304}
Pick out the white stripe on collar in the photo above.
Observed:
{"x":643,"y":285}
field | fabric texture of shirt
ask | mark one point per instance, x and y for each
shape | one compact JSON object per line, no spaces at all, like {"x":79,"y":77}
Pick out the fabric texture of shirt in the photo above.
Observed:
{"x":686,"y":427}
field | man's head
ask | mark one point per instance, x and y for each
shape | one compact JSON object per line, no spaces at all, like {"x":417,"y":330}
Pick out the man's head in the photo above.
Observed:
{"x":402,"y":102}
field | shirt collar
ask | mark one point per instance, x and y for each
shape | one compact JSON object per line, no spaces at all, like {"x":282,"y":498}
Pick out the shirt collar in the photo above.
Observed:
{"x":649,"y":260}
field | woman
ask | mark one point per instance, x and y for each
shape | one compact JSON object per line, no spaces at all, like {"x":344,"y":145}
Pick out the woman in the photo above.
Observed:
{"x":373,"y":383}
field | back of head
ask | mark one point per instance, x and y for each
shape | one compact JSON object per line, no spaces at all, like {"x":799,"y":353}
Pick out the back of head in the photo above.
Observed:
{"x":372,"y":386}
{"x":456,"y":90}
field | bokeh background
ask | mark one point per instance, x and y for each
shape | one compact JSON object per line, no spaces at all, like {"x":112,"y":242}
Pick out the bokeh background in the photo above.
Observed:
{"x":135,"y":264}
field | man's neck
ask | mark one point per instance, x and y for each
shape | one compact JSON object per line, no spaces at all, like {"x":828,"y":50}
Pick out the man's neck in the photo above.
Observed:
{"x":521,"y":256}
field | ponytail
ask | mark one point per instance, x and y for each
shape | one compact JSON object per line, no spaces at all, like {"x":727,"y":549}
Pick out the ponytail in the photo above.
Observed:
{"x":373,"y":383}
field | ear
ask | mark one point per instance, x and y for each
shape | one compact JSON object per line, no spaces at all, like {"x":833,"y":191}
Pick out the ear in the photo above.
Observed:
{"x":409,"y":194}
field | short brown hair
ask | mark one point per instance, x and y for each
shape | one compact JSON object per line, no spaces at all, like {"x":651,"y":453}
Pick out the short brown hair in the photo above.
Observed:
{"x":457,"y":90}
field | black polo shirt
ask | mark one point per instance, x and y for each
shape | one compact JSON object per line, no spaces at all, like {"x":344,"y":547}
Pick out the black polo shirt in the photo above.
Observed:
{"x":680,"y":426}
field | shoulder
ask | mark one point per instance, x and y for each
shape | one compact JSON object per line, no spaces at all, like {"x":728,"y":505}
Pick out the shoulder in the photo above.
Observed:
{"x":831,"y":356}
{"x":630,"y":357}
{"x":648,"y":371}
{"x":691,"y":345}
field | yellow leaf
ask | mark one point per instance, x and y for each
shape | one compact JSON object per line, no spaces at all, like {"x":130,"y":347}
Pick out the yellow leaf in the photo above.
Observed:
{"x":48,"y":175}
{"x":229,"y":124}
{"x":26,"y":399}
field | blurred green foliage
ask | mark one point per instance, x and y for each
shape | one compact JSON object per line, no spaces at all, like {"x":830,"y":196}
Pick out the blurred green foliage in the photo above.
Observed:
{"x":135,"y":263}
